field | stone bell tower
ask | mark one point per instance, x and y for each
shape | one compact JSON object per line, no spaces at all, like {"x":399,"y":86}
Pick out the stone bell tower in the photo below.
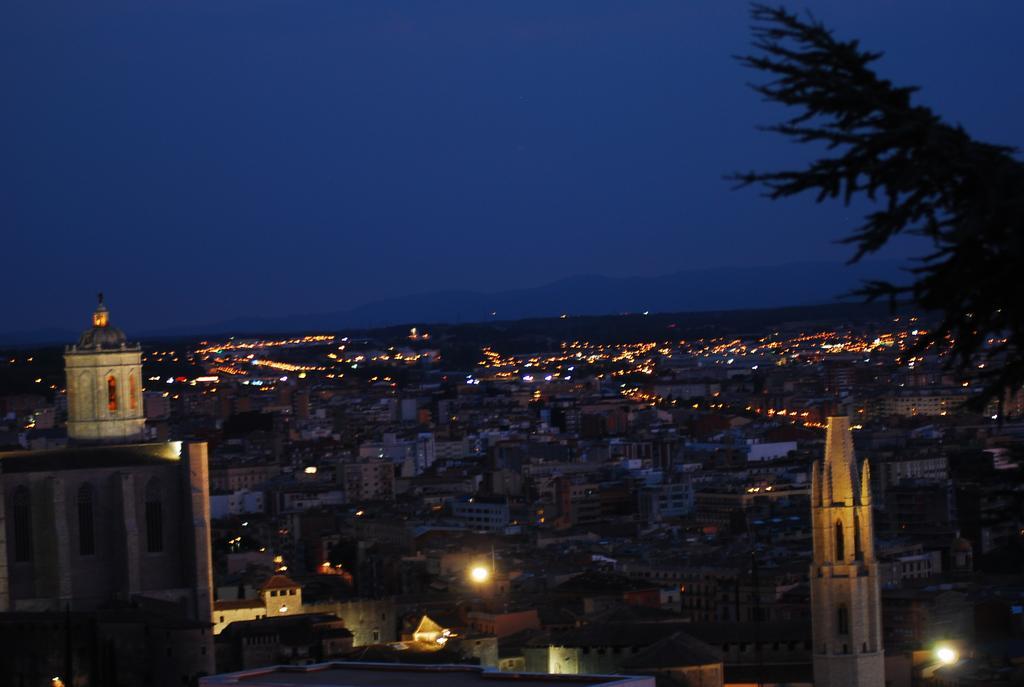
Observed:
{"x":104,"y":380}
{"x":845,"y":602}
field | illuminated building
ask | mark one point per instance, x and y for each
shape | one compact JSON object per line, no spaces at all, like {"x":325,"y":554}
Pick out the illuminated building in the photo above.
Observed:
{"x":104,"y":384}
{"x":112,"y":535}
{"x":279,"y":596}
{"x":845,"y":602}
{"x":928,"y":402}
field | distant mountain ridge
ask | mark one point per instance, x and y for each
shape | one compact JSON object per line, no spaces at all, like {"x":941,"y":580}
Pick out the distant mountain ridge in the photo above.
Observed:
{"x":718,"y":288}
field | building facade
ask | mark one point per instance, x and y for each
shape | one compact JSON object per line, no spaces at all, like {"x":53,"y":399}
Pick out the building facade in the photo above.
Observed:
{"x":279,"y":595}
{"x":104,"y":384}
{"x":845,"y":598}
{"x":89,"y":525}
{"x":107,"y":540}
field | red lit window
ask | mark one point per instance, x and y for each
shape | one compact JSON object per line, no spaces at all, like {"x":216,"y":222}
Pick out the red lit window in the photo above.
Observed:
{"x":111,"y":394}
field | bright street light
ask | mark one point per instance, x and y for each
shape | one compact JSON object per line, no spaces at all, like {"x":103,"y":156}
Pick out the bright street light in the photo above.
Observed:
{"x":479,"y":574}
{"x":946,"y":655}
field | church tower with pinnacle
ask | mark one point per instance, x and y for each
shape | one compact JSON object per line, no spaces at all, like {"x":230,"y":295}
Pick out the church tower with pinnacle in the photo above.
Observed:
{"x":845,"y":602}
{"x":104,"y":378}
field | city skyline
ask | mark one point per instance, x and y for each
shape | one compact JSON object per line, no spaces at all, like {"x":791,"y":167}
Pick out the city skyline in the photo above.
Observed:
{"x":381,"y":343}
{"x":418,"y":498}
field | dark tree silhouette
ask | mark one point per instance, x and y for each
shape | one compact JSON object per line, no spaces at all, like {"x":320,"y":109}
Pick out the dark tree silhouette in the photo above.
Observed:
{"x":926,"y":177}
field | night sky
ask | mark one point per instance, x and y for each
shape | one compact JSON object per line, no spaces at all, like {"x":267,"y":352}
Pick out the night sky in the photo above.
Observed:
{"x":199,"y":160}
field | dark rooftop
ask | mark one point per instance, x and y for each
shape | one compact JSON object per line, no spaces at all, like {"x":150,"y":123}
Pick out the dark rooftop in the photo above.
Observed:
{"x":675,"y":651}
{"x":90,"y":457}
{"x":343,"y":674}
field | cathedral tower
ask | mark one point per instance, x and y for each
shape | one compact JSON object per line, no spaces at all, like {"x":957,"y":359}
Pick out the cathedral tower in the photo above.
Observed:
{"x":104,"y":377}
{"x":845,"y":602}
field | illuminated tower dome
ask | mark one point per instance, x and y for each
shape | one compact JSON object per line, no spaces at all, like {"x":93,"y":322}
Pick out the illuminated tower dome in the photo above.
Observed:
{"x":104,"y":378}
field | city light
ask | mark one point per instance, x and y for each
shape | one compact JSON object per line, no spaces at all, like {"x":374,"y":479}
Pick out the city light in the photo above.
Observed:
{"x":947,"y":655}
{"x":479,"y":574}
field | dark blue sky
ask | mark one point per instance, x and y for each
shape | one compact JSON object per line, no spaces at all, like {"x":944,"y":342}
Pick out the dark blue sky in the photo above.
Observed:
{"x":202,"y":159}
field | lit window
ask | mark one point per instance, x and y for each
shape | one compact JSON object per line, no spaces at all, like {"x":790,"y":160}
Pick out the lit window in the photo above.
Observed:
{"x":111,"y":394}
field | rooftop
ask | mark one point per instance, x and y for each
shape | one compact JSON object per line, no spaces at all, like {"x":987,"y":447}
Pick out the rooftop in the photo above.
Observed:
{"x":350,"y":674}
{"x":102,"y":334}
{"x":279,"y":581}
{"x":89,"y":457}
{"x":235,"y":604}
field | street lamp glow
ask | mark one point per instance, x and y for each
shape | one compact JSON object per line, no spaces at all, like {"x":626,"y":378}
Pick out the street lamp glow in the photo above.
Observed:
{"x":479,"y":574}
{"x":946,"y":655}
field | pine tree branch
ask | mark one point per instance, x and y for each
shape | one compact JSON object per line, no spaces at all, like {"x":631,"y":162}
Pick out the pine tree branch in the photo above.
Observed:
{"x":926,"y":178}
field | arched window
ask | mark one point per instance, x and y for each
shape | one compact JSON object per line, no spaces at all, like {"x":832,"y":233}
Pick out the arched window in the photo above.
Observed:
{"x":111,"y":394}
{"x":844,"y":620}
{"x":154,"y":517}
{"x":86,"y":522}
{"x":82,"y":404}
{"x":840,"y":545}
{"x":133,"y":392}
{"x":22,"y":525}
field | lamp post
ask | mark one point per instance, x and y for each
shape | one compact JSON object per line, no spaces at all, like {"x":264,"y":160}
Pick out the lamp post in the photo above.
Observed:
{"x":484,"y":576}
{"x":941,"y":656}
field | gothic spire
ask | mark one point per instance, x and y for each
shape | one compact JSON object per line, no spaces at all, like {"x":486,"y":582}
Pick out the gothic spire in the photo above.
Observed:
{"x":840,"y":463}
